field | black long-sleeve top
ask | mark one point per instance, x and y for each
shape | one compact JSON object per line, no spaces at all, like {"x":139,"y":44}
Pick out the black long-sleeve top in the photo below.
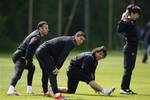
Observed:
{"x":59,"y":48}
{"x":30,"y":44}
{"x":85,"y":62}
{"x":130,"y":32}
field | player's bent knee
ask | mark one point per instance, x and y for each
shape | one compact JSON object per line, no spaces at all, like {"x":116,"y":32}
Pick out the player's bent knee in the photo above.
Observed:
{"x":71,"y":91}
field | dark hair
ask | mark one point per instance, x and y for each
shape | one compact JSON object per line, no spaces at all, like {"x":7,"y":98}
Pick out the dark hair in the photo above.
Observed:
{"x":99,"y":49}
{"x":80,"y":33}
{"x":41,"y":23}
{"x":133,"y":8}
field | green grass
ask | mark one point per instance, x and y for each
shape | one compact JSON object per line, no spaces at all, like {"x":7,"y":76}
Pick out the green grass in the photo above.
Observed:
{"x":109,"y":73}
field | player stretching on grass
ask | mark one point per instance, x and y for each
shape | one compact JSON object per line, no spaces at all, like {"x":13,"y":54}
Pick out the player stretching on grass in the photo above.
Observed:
{"x":51,"y":56}
{"x":127,"y":26}
{"x":23,"y":57}
{"x":82,"y":68}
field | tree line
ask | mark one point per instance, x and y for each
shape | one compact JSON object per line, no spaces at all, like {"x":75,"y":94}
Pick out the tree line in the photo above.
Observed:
{"x":98,"y":18}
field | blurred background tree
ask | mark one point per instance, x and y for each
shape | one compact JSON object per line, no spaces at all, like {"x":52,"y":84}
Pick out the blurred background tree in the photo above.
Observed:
{"x":98,"y":18}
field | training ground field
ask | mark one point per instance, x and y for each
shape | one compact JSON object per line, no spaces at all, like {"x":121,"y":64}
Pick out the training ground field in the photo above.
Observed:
{"x":108,"y":73}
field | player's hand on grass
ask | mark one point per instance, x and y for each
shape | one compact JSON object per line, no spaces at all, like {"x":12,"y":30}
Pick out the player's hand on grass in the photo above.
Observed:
{"x":55,"y":71}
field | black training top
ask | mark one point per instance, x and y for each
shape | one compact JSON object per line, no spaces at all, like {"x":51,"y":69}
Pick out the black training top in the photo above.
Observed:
{"x":130,"y":32}
{"x":29,"y":44}
{"x":85,"y":62}
{"x":59,"y":48}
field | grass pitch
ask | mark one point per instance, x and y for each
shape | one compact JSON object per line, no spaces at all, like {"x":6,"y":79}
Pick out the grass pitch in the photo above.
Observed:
{"x":109,"y":73}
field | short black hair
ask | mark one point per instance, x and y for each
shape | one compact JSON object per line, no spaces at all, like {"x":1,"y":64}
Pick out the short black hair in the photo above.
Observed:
{"x":80,"y":33}
{"x":41,"y":23}
{"x":133,"y":8}
{"x":99,"y":49}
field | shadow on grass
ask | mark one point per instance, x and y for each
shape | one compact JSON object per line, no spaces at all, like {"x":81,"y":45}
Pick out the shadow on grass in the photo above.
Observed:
{"x":84,"y":96}
{"x":41,"y":95}
{"x":129,"y":95}
{"x":77,"y":96}
{"x":69,"y":97}
{"x":147,"y":95}
{"x":93,"y":95}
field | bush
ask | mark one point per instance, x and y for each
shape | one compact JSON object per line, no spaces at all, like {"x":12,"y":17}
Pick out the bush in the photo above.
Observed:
{"x":7,"y":45}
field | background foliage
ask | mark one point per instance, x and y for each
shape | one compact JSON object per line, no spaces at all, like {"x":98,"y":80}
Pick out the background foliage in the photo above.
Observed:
{"x":14,"y":20}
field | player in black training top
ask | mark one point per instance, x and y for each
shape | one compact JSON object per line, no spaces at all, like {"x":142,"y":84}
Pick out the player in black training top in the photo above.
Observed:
{"x":51,"y":56}
{"x":82,"y":68}
{"x":23,"y":57}
{"x":127,"y":26}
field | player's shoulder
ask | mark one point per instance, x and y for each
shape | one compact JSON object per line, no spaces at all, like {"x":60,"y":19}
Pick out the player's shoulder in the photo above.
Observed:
{"x":34,"y":34}
{"x":87,"y":55}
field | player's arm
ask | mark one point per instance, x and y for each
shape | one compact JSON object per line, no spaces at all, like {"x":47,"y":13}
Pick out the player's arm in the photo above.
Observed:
{"x":95,"y":86}
{"x":87,"y":66}
{"x":124,"y":24}
{"x":65,"y":52}
{"x":33,"y":44}
{"x":93,"y":72}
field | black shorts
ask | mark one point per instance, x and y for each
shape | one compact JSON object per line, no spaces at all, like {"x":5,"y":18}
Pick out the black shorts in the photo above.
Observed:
{"x":74,"y":76}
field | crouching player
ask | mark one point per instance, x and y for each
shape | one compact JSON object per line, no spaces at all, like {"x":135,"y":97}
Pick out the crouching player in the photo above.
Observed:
{"x":51,"y":56}
{"x":82,"y":68}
